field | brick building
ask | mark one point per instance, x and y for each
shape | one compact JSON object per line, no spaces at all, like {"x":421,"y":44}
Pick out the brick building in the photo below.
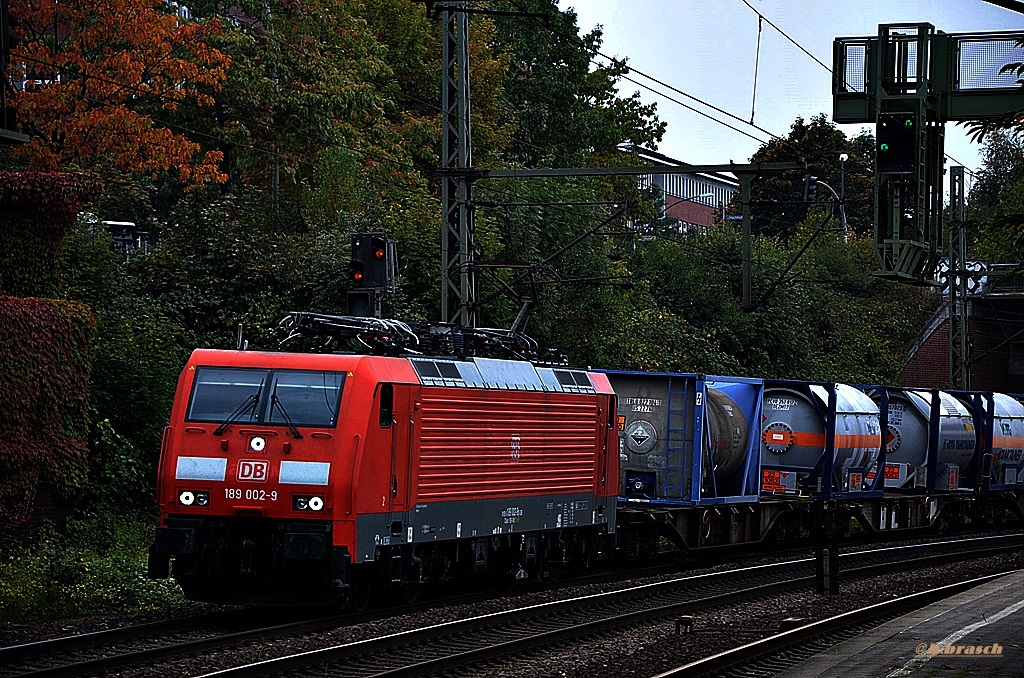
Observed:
{"x":996,"y":342}
{"x":695,"y":201}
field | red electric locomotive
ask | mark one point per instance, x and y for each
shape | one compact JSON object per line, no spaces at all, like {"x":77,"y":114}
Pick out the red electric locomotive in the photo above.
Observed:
{"x":308,"y":478}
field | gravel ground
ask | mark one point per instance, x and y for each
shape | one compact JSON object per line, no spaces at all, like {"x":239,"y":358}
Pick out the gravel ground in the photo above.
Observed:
{"x":639,"y":651}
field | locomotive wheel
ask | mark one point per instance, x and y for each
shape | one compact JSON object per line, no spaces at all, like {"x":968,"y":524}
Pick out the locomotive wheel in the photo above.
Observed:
{"x":555,"y":570}
{"x":412,"y":575}
{"x":361,"y":593}
{"x":581,"y":553}
{"x":411,"y":591}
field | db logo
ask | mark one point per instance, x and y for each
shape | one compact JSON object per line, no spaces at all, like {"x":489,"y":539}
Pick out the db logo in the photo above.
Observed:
{"x":253,"y":471}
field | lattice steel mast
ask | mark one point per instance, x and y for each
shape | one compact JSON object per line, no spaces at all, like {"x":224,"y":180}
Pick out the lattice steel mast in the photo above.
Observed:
{"x":959,"y":335}
{"x":458,"y":277}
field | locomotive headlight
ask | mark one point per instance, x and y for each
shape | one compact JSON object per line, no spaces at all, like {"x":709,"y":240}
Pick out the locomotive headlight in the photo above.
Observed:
{"x":193,"y":498}
{"x":257,"y":444}
{"x":308,"y":503}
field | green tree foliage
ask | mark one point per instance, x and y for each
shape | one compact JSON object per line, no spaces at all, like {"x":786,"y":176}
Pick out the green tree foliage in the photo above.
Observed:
{"x":777,"y":199}
{"x":220,"y":263}
{"x":37,"y":212}
{"x":138,"y":353}
{"x":97,"y":567}
{"x":303,"y":76}
{"x":829,"y":320}
{"x":565,"y":102}
{"x":996,"y":200}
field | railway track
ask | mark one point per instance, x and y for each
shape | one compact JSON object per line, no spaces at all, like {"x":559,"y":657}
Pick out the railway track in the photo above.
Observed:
{"x":771,"y":656}
{"x":501,"y":638}
{"x":112,"y":649}
{"x":443,"y":647}
{"x":108,"y":650}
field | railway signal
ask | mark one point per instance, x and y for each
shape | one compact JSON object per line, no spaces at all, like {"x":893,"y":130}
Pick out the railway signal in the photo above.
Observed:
{"x":373,"y":261}
{"x":897,"y":139}
{"x":373,"y":271}
{"x":356,"y":268}
{"x":810,"y":186}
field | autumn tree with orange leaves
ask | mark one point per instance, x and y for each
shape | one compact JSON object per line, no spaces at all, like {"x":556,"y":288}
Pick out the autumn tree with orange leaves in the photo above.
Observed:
{"x":101,"y":74}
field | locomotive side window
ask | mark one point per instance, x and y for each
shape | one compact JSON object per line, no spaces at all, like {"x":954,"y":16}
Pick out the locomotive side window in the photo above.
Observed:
{"x":574,"y":382}
{"x":387,"y":405}
{"x":218,"y":391}
{"x":306,"y":398}
{"x":449,"y":370}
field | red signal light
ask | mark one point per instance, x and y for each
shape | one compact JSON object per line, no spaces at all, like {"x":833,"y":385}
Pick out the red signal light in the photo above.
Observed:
{"x":358,"y":275}
{"x":378,"y":253}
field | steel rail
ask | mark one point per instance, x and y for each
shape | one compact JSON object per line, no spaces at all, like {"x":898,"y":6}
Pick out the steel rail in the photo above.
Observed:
{"x":448,"y":630}
{"x":18,"y":660}
{"x":63,"y":644}
{"x":737,"y":658}
{"x":103,"y":664}
{"x":98,"y":641}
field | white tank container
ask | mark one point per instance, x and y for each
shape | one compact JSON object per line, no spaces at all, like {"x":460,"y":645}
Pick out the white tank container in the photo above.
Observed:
{"x":907,"y":437}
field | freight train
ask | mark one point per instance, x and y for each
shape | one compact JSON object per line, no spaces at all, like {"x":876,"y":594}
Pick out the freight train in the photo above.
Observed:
{"x":317,"y":477}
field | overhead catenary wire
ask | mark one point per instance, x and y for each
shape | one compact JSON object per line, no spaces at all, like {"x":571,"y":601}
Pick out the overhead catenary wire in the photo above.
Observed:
{"x":822,"y":64}
{"x":757,"y":61}
{"x":772,"y":136}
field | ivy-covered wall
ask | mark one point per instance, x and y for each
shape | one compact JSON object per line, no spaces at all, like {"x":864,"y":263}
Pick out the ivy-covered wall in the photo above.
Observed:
{"x":44,"y":399}
{"x":37,"y":212}
{"x":45,"y":344}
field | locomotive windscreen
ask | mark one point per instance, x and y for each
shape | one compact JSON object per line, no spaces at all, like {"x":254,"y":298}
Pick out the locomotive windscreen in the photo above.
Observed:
{"x":307,"y":398}
{"x":267,"y":397}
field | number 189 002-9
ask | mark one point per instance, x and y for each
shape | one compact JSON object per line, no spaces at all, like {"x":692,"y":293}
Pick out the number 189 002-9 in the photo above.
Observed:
{"x":248,"y":494}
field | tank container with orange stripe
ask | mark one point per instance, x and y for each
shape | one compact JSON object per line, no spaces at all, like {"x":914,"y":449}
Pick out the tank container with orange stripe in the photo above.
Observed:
{"x":1007,"y":440}
{"x":794,"y":424}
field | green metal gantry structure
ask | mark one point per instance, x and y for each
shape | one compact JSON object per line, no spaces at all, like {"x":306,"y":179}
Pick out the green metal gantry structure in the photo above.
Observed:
{"x":910,"y":80}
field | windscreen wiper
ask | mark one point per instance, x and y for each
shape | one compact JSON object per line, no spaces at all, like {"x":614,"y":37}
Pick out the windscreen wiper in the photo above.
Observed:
{"x":248,"y":405}
{"x":276,"y":402}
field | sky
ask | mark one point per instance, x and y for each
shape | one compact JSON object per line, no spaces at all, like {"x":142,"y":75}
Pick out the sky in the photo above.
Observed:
{"x":707,"y":48}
